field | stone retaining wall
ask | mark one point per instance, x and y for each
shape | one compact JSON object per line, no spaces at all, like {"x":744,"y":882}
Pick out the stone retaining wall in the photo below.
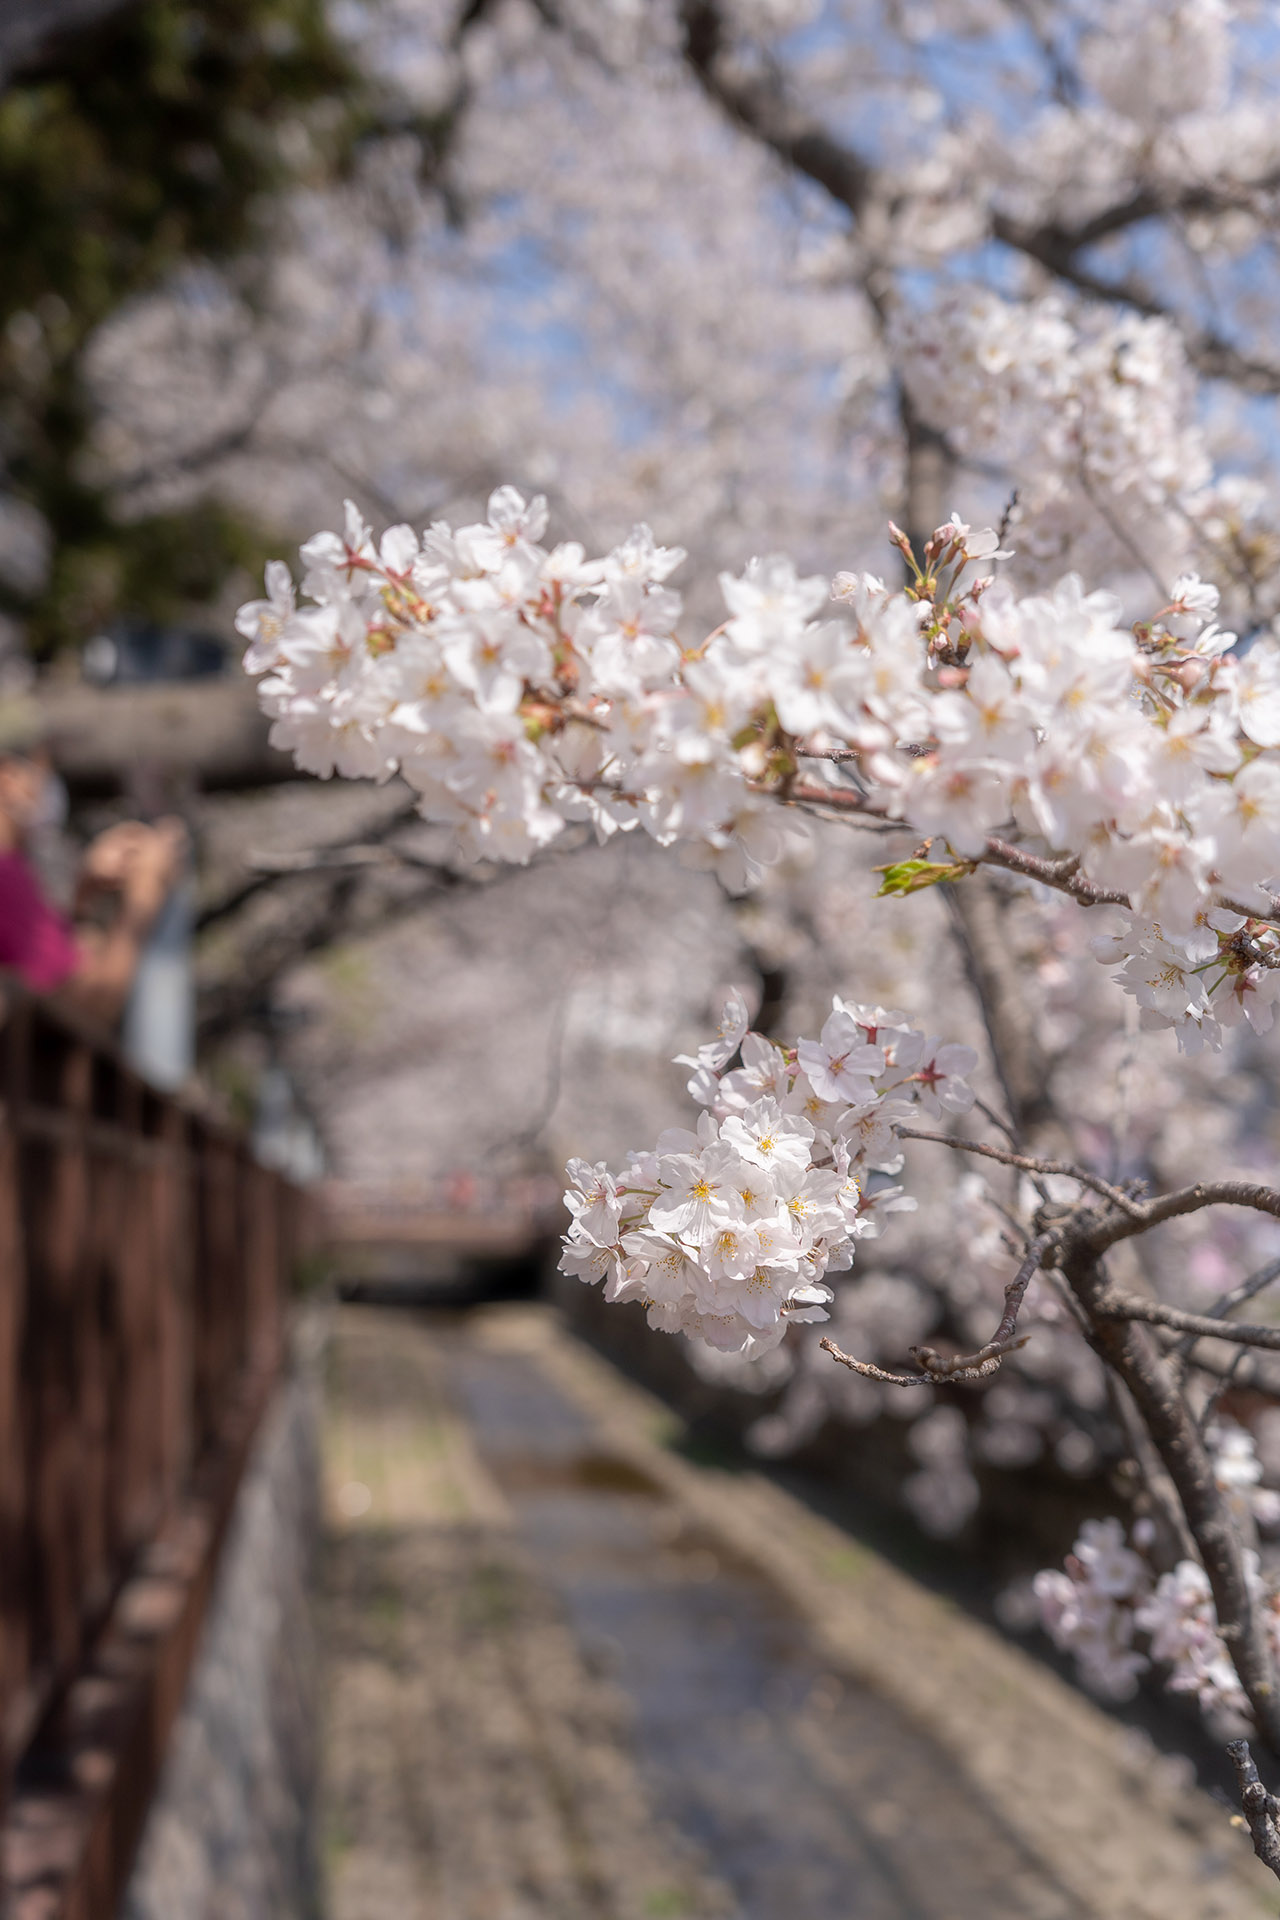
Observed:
{"x":232,"y":1833}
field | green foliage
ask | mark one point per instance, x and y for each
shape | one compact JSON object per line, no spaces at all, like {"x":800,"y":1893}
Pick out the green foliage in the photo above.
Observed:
{"x":912,"y":876}
{"x":666,"y":1903}
{"x":153,"y":140}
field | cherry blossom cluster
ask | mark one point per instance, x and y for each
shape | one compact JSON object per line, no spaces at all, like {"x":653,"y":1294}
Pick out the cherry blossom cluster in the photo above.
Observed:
{"x":514,"y":688}
{"x":1156,"y":63}
{"x":1118,"y":1619}
{"x":518,"y":689}
{"x":727,"y":1233}
{"x":1093,"y":411}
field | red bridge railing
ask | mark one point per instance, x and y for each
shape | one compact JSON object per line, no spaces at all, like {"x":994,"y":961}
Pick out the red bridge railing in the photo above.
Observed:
{"x":144,"y":1261}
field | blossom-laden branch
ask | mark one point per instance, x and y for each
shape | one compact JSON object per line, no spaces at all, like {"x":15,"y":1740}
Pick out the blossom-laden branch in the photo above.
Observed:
{"x":728,"y":1234}
{"x":518,"y":690}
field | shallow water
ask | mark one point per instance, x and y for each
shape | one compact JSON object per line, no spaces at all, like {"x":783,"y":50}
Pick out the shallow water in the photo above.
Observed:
{"x":808,"y":1794}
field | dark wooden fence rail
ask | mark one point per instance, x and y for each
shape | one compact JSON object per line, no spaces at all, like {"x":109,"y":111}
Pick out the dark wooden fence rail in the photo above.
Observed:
{"x":144,"y":1261}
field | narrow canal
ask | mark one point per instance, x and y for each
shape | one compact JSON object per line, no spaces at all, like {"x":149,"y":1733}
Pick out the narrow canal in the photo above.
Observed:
{"x":810,"y":1796}
{"x":552,"y":1695}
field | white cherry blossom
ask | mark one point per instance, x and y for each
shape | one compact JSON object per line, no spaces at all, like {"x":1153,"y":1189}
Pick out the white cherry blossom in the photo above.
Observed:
{"x":517,"y":696}
{"x":728,"y":1233}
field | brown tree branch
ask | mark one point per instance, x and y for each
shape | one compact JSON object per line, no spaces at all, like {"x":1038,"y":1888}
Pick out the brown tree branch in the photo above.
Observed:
{"x":1062,"y":873}
{"x":978,"y":916}
{"x":1162,"y":1495}
{"x":761,"y":108}
{"x":1261,"y":1809}
{"x":332,"y":908}
{"x":264,"y":877}
{"x":1131,"y":1351}
{"x":1138,"y":1217}
{"x":1212,"y":354}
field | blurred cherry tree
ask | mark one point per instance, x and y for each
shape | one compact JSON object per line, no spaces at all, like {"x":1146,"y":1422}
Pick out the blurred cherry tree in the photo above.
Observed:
{"x":763,"y":272}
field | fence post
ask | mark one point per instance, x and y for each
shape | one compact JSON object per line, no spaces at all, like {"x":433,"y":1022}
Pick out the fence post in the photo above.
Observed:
{"x":14,"y":1567}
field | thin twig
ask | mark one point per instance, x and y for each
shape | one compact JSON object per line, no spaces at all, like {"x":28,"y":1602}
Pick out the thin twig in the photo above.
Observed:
{"x":990,"y":1113}
{"x":978,"y":911}
{"x":960,"y":1368}
{"x":1151,"y":1469}
{"x":1007,"y":1214}
{"x":1247,"y":1365}
{"x":1130,"y":1306}
{"x":264,"y":878}
{"x":358,"y":854}
{"x":958,"y":1376}
{"x":870,"y":1372}
{"x":966,"y":1366}
{"x":1028,"y":1164}
{"x":1255,"y":1284}
{"x":1220,"y":1391}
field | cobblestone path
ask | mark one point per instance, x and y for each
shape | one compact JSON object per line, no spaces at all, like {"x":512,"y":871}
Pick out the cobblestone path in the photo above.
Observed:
{"x":555,"y":1692}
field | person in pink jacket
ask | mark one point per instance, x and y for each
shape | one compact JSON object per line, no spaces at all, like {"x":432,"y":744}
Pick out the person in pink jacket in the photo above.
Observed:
{"x":88,"y":963}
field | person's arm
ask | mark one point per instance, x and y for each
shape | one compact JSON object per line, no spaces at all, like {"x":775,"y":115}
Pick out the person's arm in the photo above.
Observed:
{"x":139,"y":864}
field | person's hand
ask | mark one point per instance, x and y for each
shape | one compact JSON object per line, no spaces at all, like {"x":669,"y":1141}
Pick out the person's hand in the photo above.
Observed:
{"x":107,"y":856}
{"x":137,"y":861}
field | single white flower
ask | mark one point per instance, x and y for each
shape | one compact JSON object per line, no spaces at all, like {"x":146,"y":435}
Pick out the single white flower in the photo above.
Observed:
{"x":766,"y":1137}
{"x":840,"y":1065}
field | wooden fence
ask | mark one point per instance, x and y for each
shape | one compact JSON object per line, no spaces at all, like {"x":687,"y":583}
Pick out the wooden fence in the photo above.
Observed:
{"x":144,"y":1260}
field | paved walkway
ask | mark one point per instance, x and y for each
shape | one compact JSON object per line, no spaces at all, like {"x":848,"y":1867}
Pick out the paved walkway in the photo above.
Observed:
{"x":572,"y":1677}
